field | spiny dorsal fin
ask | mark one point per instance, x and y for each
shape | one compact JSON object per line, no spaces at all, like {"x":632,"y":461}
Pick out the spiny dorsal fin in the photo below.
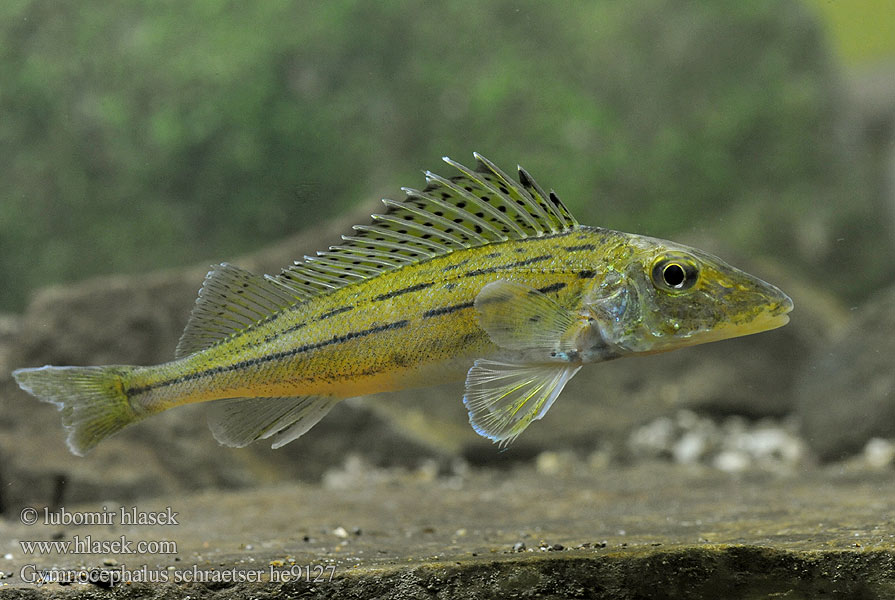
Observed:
{"x":476,"y":208}
{"x":230,"y":300}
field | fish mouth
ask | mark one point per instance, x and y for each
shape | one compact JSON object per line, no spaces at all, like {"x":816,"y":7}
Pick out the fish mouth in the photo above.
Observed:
{"x":783,"y":306}
{"x":765,"y":322}
{"x":777,"y":315}
{"x":759,"y":324}
{"x":774,"y":316}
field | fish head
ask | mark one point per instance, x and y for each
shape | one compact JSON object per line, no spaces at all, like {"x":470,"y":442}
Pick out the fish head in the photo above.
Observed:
{"x":657,"y":296}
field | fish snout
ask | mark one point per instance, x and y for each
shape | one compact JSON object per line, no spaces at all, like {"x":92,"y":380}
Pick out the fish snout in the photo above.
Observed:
{"x":782,"y":306}
{"x":777,"y":302}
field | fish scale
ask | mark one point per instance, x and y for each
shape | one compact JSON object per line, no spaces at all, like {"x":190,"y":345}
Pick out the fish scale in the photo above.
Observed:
{"x":476,"y":275}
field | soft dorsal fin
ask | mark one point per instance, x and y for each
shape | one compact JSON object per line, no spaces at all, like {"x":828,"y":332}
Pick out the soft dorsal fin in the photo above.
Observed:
{"x":475,"y":208}
{"x":230,"y":300}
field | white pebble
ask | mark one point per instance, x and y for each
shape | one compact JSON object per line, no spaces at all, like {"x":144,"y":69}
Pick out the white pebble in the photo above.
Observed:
{"x":732,"y":461}
{"x":690,"y":448}
{"x":879,"y":453}
{"x":654,"y":438}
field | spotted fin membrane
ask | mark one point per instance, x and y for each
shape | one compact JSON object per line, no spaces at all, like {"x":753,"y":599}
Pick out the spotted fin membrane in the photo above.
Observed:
{"x":475,"y":208}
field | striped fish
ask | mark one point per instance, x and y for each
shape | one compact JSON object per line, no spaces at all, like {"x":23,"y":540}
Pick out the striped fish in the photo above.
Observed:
{"x":477,"y":276}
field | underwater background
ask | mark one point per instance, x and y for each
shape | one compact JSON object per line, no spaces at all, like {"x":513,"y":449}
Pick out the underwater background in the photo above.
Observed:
{"x":142,"y":142}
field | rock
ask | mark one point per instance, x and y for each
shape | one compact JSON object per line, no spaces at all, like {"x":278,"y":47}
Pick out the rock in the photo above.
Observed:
{"x":632,"y":532}
{"x":846,"y":393}
{"x":10,"y":331}
{"x":138,"y":320}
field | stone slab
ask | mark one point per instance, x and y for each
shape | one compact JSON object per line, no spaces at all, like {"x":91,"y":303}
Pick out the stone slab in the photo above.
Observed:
{"x":571,"y":530}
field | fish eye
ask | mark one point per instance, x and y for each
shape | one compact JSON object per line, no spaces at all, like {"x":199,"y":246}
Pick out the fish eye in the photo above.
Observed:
{"x":675,"y":274}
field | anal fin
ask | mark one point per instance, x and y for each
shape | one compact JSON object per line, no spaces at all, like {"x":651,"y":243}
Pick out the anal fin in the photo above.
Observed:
{"x":503,"y":398}
{"x":238,"y":422}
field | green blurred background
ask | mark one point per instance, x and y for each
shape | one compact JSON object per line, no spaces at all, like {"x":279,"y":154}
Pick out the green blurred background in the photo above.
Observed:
{"x":137,"y":136}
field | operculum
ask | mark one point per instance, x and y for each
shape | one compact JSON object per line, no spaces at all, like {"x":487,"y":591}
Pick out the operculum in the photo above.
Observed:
{"x":614,"y":304}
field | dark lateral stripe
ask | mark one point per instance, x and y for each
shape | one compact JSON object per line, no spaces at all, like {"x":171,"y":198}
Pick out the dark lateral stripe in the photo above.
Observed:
{"x":581,"y":247}
{"x":456,"y":266}
{"x":586,"y":274}
{"x":447,"y":309}
{"x":513,"y":265}
{"x":338,"y":339}
{"x":335,"y":312}
{"x":407,"y":290}
{"x":274,"y":336}
{"x":552,"y":288}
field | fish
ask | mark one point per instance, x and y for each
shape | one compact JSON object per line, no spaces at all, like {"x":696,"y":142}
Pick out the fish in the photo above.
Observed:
{"x":478,"y":277}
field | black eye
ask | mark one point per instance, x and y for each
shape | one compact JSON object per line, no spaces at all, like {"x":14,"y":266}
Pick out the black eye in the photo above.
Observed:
{"x":675,"y":274}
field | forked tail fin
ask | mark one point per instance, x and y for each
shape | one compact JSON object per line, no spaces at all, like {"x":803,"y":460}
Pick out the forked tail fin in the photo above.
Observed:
{"x":93,"y":401}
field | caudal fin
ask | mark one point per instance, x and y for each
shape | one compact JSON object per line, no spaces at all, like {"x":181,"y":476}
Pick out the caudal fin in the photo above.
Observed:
{"x":92,"y":400}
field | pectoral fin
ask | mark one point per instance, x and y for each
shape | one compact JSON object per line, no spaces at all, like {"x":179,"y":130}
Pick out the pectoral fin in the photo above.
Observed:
{"x":504,"y":398}
{"x":517,"y":317}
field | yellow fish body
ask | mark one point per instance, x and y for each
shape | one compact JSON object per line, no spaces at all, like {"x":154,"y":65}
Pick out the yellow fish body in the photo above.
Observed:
{"x":477,"y":275}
